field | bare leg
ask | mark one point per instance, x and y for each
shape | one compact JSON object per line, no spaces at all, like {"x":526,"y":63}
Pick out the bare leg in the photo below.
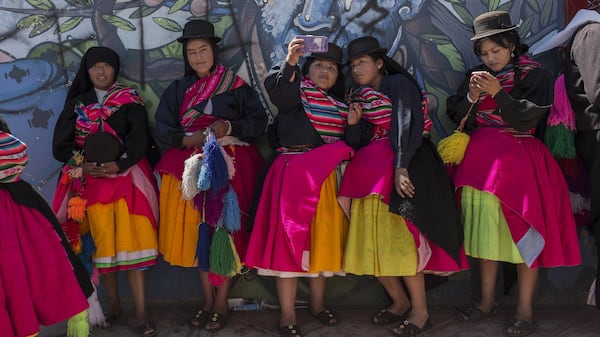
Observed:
{"x":137,"y":285}
{"x":416,"y":287}
{"x":200,"y":317}
{"x":317,"y":294}
{"x":109,"y":283}
{"x":527,"y":282}
{"x":488,"y":271}
{"x":317,"y":301}
{"x":286,"y":291}
{"x":220,"y":305}
{"x":208,"y":291}
{"x":394,"y":289}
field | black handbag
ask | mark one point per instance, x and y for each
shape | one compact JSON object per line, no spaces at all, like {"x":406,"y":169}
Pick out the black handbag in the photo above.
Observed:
{"x":102,"y":147}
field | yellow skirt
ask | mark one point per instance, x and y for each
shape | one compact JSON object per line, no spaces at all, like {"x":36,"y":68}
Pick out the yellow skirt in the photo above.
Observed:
{"x":123,"y":240}
{"x":328,"y":231}
{"x":379,"y":242}
{"x":178,"y":228}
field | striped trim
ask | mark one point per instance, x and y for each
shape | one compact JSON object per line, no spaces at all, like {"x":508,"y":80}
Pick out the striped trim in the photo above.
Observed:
{"x":13,"y":157}
{"x":327,"y":115}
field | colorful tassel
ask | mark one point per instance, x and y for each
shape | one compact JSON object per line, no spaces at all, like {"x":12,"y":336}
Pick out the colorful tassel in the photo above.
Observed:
{"x":189,"y":181}
{"x":204,"y":177}
{"x":76,"y":208}
{"x":96,"y":316}
{"x":216,"y":279}
{"x":213,"y":209}
{"x":231,"y":211}
{"x":560,"y":133}
{"x":230,"y":161}
{"x":222,"y":254}
{"x":76,"y":186}
{"x":87,"y":251}
{"x":217,"y":166}
{"x":203,"y":246}
{"x":452,"y":149}
{"x":64,"y":179}
{"x":78,"y":326}
{"x":71,"y":230}
{"x":561,"y":141}
{"x":561,"y":111}
{"x":579,"y":203}
{"x":237,"y":262}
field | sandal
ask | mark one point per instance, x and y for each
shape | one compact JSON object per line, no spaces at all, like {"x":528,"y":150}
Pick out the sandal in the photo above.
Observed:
{"x":147,"y":329}
{"x":519,"y":328}
{"x":386,"y":317}
{"x":217,"y":322}
{"x":407,"y":329}
{"x":199,"y":319}
{"x":111,"y":319}
{"x":328,"y":318}
{"x":291,"y":330}
{"x":473,"y":313}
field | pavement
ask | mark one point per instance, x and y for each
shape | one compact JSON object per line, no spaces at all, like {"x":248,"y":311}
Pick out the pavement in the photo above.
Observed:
{"x":171,"y":320}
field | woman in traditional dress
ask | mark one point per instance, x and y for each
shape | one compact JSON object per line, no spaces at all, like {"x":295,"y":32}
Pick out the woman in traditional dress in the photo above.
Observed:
{"x":514,"y":199}
{"x":39,"y":272}
{"x":404,"y":220}
{"x":208,"y":98}
{"x":107,"y":188}
{"x":300,"y":229}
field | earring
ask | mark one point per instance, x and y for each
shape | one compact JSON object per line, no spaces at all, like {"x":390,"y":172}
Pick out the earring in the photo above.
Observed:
{"x":512,"y":54}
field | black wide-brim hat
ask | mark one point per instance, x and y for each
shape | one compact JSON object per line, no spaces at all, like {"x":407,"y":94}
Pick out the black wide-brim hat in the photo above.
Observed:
{"x":491,"y":23}
{"x":198,"y":29}
{"x":333,"y":54}
{"x":365,"y":45}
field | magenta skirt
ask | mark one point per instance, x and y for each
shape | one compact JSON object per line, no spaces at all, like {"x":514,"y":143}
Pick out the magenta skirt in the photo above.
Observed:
{"x":37,"y":283}
{"x":287,"y":205}
{"x":521,"y":172}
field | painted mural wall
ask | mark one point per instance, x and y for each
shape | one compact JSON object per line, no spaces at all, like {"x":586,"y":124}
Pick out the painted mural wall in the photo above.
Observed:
{"x":42,"y":41}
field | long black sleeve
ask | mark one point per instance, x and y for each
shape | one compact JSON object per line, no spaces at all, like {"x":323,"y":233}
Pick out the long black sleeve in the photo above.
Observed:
{"x":130,"y":122}
{"x":407,"y":117}
{"x":240,"y":106}
{"x":528,"y":101}
{"x":292,"y":125}
{"x":522,"y":108}
{"x":168,"y":129}
{"x":63,"y":140}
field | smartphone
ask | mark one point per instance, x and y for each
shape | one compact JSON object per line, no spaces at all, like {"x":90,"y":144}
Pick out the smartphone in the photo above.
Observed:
{"x":480,"y":73}
{"x":314,"y":43}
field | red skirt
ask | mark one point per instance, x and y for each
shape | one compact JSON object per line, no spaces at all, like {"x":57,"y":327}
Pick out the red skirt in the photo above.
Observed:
{"x":37,"y":283}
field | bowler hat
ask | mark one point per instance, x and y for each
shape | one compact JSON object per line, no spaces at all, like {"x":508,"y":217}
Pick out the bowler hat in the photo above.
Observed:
{"x":198,"y":29}
{"x":333,"y":54}
{"x":593,"y":3}
{"x":491,"y":23}
{"x":365,"y":45}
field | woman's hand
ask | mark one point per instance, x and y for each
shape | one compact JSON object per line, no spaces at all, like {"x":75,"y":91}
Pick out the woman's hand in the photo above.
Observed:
{"x":483,"y":81}
{"x":354,"y":113}
{"x":100,"y":170}
{"x":196,"y":139}
{"x":402,"y":183}
{"x":294,"y":51}
{"x":220,"y":128}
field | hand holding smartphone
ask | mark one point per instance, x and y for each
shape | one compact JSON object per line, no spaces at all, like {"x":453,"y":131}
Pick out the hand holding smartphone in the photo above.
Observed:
{"x":314,"y":43}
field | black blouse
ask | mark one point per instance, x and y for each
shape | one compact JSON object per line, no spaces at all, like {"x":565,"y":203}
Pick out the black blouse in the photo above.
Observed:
{"x":240,"y":106}
{"x":130,"y":122}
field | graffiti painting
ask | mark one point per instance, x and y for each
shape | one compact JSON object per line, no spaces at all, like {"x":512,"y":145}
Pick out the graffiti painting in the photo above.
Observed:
{"x":42,"y":41}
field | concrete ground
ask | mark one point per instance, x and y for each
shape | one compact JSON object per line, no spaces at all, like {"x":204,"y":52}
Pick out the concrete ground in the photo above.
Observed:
{"x":171,"y":320}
